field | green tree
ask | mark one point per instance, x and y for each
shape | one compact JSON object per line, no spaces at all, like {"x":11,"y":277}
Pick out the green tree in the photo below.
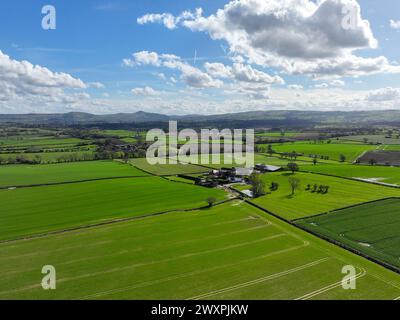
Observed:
{"x":257,"y":185}
{"x":292,"y":166}
{"x":211,"y":201}
{"x":294,"y":184}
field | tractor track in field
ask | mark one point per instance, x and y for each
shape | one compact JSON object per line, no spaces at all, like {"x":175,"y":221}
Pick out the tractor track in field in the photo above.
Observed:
{"x":109,"y":222}
{"x":70,"y":182}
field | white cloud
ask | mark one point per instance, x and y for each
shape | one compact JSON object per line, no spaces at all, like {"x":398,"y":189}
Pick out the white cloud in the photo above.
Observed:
{"x":295,"y":87}
{"x":395,"y":24}
{"x":298,"y":36}
{"x":96,"y":85}
{"x":241,"y":72}
{"x":146,"y":91}
{"x":167,"y":19}
{"x":192,"y":76}
{"x":23,"y":84}
{"x":321,"y":85}
{"x":384,"y":94}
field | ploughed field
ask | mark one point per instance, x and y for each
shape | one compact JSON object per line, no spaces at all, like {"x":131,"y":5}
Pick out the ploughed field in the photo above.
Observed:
{"x":231,"y":251}
{"x":372,"y":229}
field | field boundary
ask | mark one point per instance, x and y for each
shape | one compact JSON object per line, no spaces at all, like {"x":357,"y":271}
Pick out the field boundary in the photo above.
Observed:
{"x":332,"y":241}
{"x":109,"y":222}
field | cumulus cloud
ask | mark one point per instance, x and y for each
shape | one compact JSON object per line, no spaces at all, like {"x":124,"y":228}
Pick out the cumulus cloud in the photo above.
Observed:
{"x":298,"y":36}
{"x":169,"y":20}
{"x":24,"y":83}
{"x":146,"y":91}
{"x":241,"y":72}
{"x":395,"y":24}
{"x":192,"y":76}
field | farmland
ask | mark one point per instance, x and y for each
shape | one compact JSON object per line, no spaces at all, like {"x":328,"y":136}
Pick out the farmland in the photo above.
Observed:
{"x":376,"y":139}
{"x":36,"y":210}
{"x":232,"y":251}
{"x":20,"y":175}
{"x":173,"y":168}
{"x":331,"y":150}
{"x":304,"y":203}
{"x":381,"y":174}
{"x":149,"y":234}
{"x":370,"y":228}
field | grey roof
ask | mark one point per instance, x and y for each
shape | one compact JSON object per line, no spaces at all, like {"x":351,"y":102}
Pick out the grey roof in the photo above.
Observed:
{"x":269,"y":168}
{"x":243,"y":171}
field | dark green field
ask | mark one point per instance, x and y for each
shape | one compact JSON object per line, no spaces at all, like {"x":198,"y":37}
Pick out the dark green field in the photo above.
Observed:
{"x":370,"y":228}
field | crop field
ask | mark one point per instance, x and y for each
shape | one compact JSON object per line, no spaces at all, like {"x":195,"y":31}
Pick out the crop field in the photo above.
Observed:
{"x":172,"y":168}
{"x":380,"y":174}
{"x":371,"y":228}
{"x":20,"y":175}
{"x":332,"y":150}
{"x":36,"y":210}
{"x":305,"y":203}
{"x":39,"y":141}
{"x":381,"y":157}
{"x":377,"y":139}
{"x":46,"y":157}
{"x":232,"y":251}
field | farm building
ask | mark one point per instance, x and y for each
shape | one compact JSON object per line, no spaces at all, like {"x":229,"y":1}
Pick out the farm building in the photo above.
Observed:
{"x":267,"y":168}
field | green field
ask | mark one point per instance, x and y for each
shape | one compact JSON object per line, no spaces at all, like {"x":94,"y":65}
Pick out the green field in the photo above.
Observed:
{"x":371,"y":228}
{"x":167,"y":169}
{"x":332,"y":150}
{"x":304,"y":203}
{"x":390,"y":175}
{"x":46,"y":157}
{"x":40,"y":141}
{"x":41,"y":209}
{"x":232,"y":251}
{"x":20,"y":175}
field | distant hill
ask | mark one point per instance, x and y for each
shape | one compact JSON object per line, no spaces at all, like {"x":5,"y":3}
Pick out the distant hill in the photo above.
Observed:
{"x":253,"y":117}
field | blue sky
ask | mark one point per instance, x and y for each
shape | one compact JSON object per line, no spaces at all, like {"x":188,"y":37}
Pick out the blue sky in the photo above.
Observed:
{"x":234,"y":70}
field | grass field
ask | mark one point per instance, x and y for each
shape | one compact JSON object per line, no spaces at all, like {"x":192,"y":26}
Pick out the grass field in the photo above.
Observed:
{"x":231,"y":251}
{"x":41,"y":209}
{"x":304,"y":203}
{"x":20,"y":175}
{"x":390,"y":175}
{"x":46,"y":157}
{"x":167,"y":169}
{"x":40,"y":141}
{"x":332,"y":150}
{"x":371,"y":228}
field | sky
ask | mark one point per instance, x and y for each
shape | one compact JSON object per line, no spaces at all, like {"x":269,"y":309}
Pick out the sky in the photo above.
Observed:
{"x":199,"y":56}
